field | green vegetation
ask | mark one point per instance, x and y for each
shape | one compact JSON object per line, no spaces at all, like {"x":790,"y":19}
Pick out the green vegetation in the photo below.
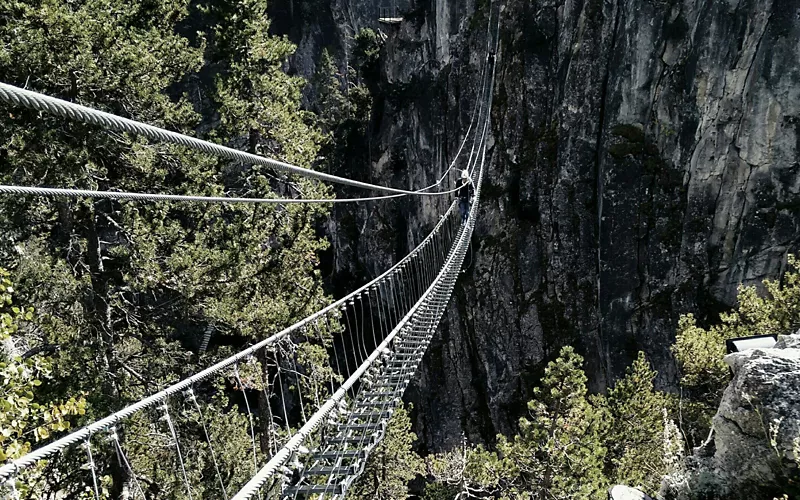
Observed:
{"x":132,"y":296}
{"x":26,"y":415}
{"x":572,"y":445}
{"x":575,"y":445}
{"x":392,"y":464}
{"x":699,"y":351}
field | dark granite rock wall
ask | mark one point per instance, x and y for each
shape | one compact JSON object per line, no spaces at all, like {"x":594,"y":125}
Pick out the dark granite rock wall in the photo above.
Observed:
{"x":644,"y":162}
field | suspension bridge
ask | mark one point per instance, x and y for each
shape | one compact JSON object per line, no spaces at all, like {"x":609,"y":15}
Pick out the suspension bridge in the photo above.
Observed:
{"x":322,"y":420}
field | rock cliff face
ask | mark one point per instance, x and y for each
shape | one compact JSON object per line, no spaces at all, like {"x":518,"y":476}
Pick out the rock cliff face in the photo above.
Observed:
{"x":755,"y":451}
{"x":644,"y":162}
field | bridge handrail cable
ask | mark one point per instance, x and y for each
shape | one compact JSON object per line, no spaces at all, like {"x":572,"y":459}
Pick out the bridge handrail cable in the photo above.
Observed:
{"x":12,"y":467}
{"x":40,"y":102}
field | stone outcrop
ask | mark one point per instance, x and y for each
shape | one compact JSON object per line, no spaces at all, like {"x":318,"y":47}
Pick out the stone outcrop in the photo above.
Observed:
{"x":644,"y":162}
{"x":756,"y":437}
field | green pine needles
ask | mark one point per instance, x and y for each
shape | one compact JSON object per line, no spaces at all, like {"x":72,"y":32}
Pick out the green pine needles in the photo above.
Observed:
{"x":573,"y":445}
{"x":127,"y":293}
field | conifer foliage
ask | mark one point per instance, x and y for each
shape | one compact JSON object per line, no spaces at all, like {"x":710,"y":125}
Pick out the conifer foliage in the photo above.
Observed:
{"x":572,"y":444}
{"x":131,"y":296}
{"x":392,"y":464}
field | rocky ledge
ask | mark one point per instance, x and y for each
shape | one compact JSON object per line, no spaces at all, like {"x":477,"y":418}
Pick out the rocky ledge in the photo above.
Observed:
{"x":755,"y":448}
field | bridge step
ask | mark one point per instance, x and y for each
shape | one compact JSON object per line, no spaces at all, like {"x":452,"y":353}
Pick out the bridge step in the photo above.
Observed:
{"x":407,"y":356}
{"x":401,"y":368}
{"x":404,"y":374}
{"x":372,"y":415}
{"x":395,"y":375}
{"x":334,"y":455}
{"x":362,"y":439}
{"x":395,"y":384}
{"x":353,"y":427}
{"x":316,"y":489}
{"x":374,"y":404}
{"x":407,"y":350}
{"x":417,"y":336}
{"x":408,"y":344}
{"x":412,"y":342}
{"x":325,"y":470}
{"x":378,"y":394}
{"x":386,"y":384}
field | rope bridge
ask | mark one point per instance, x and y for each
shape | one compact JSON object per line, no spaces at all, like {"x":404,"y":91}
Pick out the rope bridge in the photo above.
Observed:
{"x":319,"y":394}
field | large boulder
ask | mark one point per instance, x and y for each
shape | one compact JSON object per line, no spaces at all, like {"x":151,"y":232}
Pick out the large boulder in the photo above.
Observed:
{"x":756,"y":439}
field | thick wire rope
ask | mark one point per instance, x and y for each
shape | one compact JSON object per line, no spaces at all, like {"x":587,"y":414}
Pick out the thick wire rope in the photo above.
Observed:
{"x":125,"y":195}
{"x":193,"y":398}
{"x":120,"y":195}
{"x":40,"y":102}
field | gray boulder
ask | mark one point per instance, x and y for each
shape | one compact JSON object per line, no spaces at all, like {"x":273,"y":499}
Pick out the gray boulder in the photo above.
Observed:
{"x":622,"y":492}
{"x":756,"y":436}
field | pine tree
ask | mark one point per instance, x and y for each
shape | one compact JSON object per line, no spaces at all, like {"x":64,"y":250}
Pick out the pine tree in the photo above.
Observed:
{"x":127,"y":292}
{"x":635,"y":440}
{"x":560,"y":449}
{"x":558,"y":453}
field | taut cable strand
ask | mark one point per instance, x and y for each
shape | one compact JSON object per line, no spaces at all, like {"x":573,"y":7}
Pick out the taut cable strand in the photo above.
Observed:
{"x":40,"y":102}
{"x":126,"y":195}
{"x":125,"y":463}
{"x":88,"y":445}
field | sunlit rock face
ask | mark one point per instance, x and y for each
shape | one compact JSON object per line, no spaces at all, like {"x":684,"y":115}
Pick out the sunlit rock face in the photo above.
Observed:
{"x":643,"y":163}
